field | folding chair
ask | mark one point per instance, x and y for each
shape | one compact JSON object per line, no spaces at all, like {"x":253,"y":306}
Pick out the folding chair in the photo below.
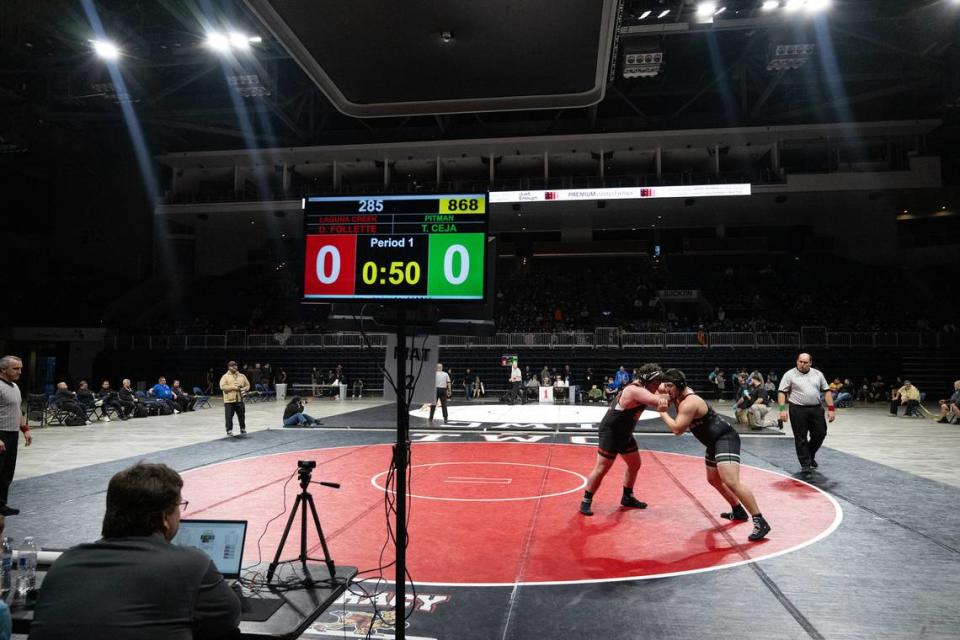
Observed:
{"x":54,"y":415}
{"x":263,"y":393}
{"x":202,"y":400}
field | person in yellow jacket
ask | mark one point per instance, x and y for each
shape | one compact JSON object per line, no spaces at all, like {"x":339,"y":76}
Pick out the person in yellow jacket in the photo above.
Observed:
{"x":234,"y":386}
{"x":908,"y":396}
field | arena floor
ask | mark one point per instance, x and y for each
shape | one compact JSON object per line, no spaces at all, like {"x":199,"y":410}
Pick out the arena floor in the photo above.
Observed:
{"x":869,"y":547}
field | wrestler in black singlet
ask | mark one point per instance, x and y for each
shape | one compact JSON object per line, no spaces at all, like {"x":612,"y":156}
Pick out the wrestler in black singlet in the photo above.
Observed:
{"x":616,"y":430}
{"x":720,"y":438}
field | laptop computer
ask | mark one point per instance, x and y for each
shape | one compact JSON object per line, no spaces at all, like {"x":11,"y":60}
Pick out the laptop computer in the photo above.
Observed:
{"x":223,"y":540}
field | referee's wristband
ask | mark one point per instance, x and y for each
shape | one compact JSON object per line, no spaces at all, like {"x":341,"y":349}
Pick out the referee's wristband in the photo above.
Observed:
{"x":831,"y":407}
{"x":783,"y":407}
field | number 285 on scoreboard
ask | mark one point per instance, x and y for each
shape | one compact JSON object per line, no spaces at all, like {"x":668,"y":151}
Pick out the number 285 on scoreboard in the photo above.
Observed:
{"x":395,"y":247}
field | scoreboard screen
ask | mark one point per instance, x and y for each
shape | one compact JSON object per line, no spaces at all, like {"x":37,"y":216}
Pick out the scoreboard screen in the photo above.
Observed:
{"x":396,"y":247}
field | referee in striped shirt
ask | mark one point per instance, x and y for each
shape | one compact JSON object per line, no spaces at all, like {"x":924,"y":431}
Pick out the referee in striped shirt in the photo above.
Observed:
{"x":801,"y":388}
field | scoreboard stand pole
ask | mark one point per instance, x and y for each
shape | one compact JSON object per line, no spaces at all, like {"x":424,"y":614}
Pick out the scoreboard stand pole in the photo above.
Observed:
{"x":401,"y":461}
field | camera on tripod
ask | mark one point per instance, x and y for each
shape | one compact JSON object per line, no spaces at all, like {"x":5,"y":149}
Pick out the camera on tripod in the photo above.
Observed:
{"x":305,"y":469}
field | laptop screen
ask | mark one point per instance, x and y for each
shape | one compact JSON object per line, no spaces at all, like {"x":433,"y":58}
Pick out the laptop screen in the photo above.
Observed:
{"x":222,"y":540}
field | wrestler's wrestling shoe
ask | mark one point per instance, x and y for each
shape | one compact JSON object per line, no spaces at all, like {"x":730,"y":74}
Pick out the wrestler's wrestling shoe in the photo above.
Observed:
{"x":585,"y":508}
{"x":632,"y":503}
{"x":737,"y":513}
{"x":760,"y":529}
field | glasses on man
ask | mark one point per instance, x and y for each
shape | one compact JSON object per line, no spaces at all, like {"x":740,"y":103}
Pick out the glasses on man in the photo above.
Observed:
{"x":183,"y":505}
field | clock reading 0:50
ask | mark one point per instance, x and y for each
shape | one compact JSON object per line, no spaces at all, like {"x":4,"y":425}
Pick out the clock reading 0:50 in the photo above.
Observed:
{"x":398,"y":273}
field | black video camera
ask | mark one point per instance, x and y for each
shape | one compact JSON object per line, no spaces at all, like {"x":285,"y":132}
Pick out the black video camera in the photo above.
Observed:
{"x":307,"y":464}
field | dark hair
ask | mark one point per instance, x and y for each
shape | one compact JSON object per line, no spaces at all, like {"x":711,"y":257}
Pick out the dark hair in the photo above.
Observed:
{"x":675,"y":377}
{"x":648,"y":373}
{"x":138,"y":497}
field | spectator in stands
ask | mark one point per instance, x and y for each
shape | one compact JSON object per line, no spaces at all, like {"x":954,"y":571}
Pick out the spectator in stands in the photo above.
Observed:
{"x":878,"y":389}
{"x":611,"y":389}
{"x":183,"y":400}
{"x":293,"y":415}
{"x":255,"y":375}
{"x":907,"y":396}
{"x":844,"y":393}
{"x":128,"y":398}
{"x":590,"y":378}
{"x":712,"y":380}
{"x":759,"y":401}
{"x":210,"y":382}
{"x":951,"y":406}
{"x":66,"y":400}
{"x":110,"y":399}
{"x":531,"y":389}
{"x":316,"y":378}
{"x":267,"y":379}
{"x":772,"y":377}
{"x":721,"y":384}
{"x":594,"y":395}
{"x":281,"y":377}
{"x":545,"y":376}
{"x":162,"y":392}
{"x":477,"y":388}
{"x":622,"y":377}
{"x":133,"y":583}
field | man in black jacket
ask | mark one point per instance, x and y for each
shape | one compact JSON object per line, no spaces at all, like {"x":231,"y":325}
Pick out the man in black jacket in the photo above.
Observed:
{"x":133,"y":584}
{"x":128,"y":398}
{"x":110,"y":399}
{"x":66,"y":400}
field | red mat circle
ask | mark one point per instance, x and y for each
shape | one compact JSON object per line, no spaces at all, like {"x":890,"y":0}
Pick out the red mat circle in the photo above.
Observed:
{"x":506,"y":513}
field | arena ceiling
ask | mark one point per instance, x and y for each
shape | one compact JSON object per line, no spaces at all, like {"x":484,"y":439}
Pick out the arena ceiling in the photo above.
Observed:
{"x":870,"y":60}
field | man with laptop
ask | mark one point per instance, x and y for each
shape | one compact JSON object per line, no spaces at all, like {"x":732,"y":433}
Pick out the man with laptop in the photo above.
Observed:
{"x":133,"y":584}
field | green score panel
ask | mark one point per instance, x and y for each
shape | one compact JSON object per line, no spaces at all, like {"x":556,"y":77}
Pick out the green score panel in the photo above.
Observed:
{"x":456,"y":265}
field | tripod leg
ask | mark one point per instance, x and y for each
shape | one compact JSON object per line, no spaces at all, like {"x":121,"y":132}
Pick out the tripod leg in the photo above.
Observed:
{"x":283,"y":540}
{"x":305,"y":498}
{"x":323,"y":541}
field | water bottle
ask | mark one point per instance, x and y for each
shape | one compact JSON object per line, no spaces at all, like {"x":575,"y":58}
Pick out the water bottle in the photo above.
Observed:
{"x":6,"y":565}
{"x":27,"y":576}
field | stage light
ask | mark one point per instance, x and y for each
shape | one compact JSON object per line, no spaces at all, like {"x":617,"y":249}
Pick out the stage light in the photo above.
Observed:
{"x":641,"y":64}
{"x":784,"y":57}
{"x":817,"y":5}
{"x":792,"y":6}
{"x":706,"y":9}
{"x":643,"y":16}
{"x":218,"y":42}
{"x":239,"y":41}
{"x":106,"y":49}
{"x":663,"y":14}
{"x":770,"y":5}
{"x":254,"y":39}
{"x":719,"y":11}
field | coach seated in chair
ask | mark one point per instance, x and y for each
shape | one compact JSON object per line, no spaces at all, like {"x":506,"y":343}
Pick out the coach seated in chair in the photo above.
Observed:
{"x":908,"y":396}
{"x":66,"y":400}
{"x":181,"y":398}
{"x":133,"y":584}
{"x":531,"y":390}
{"x":86,"y":398}
{"x":950,"y":408}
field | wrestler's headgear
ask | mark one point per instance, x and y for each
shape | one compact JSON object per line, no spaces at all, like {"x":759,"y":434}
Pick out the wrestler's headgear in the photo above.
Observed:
{"x":676,"y":377}
{"x":650,"y":377}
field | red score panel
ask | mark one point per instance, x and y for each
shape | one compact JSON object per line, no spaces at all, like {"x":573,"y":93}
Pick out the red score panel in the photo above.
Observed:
{"x":329,"y":266}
